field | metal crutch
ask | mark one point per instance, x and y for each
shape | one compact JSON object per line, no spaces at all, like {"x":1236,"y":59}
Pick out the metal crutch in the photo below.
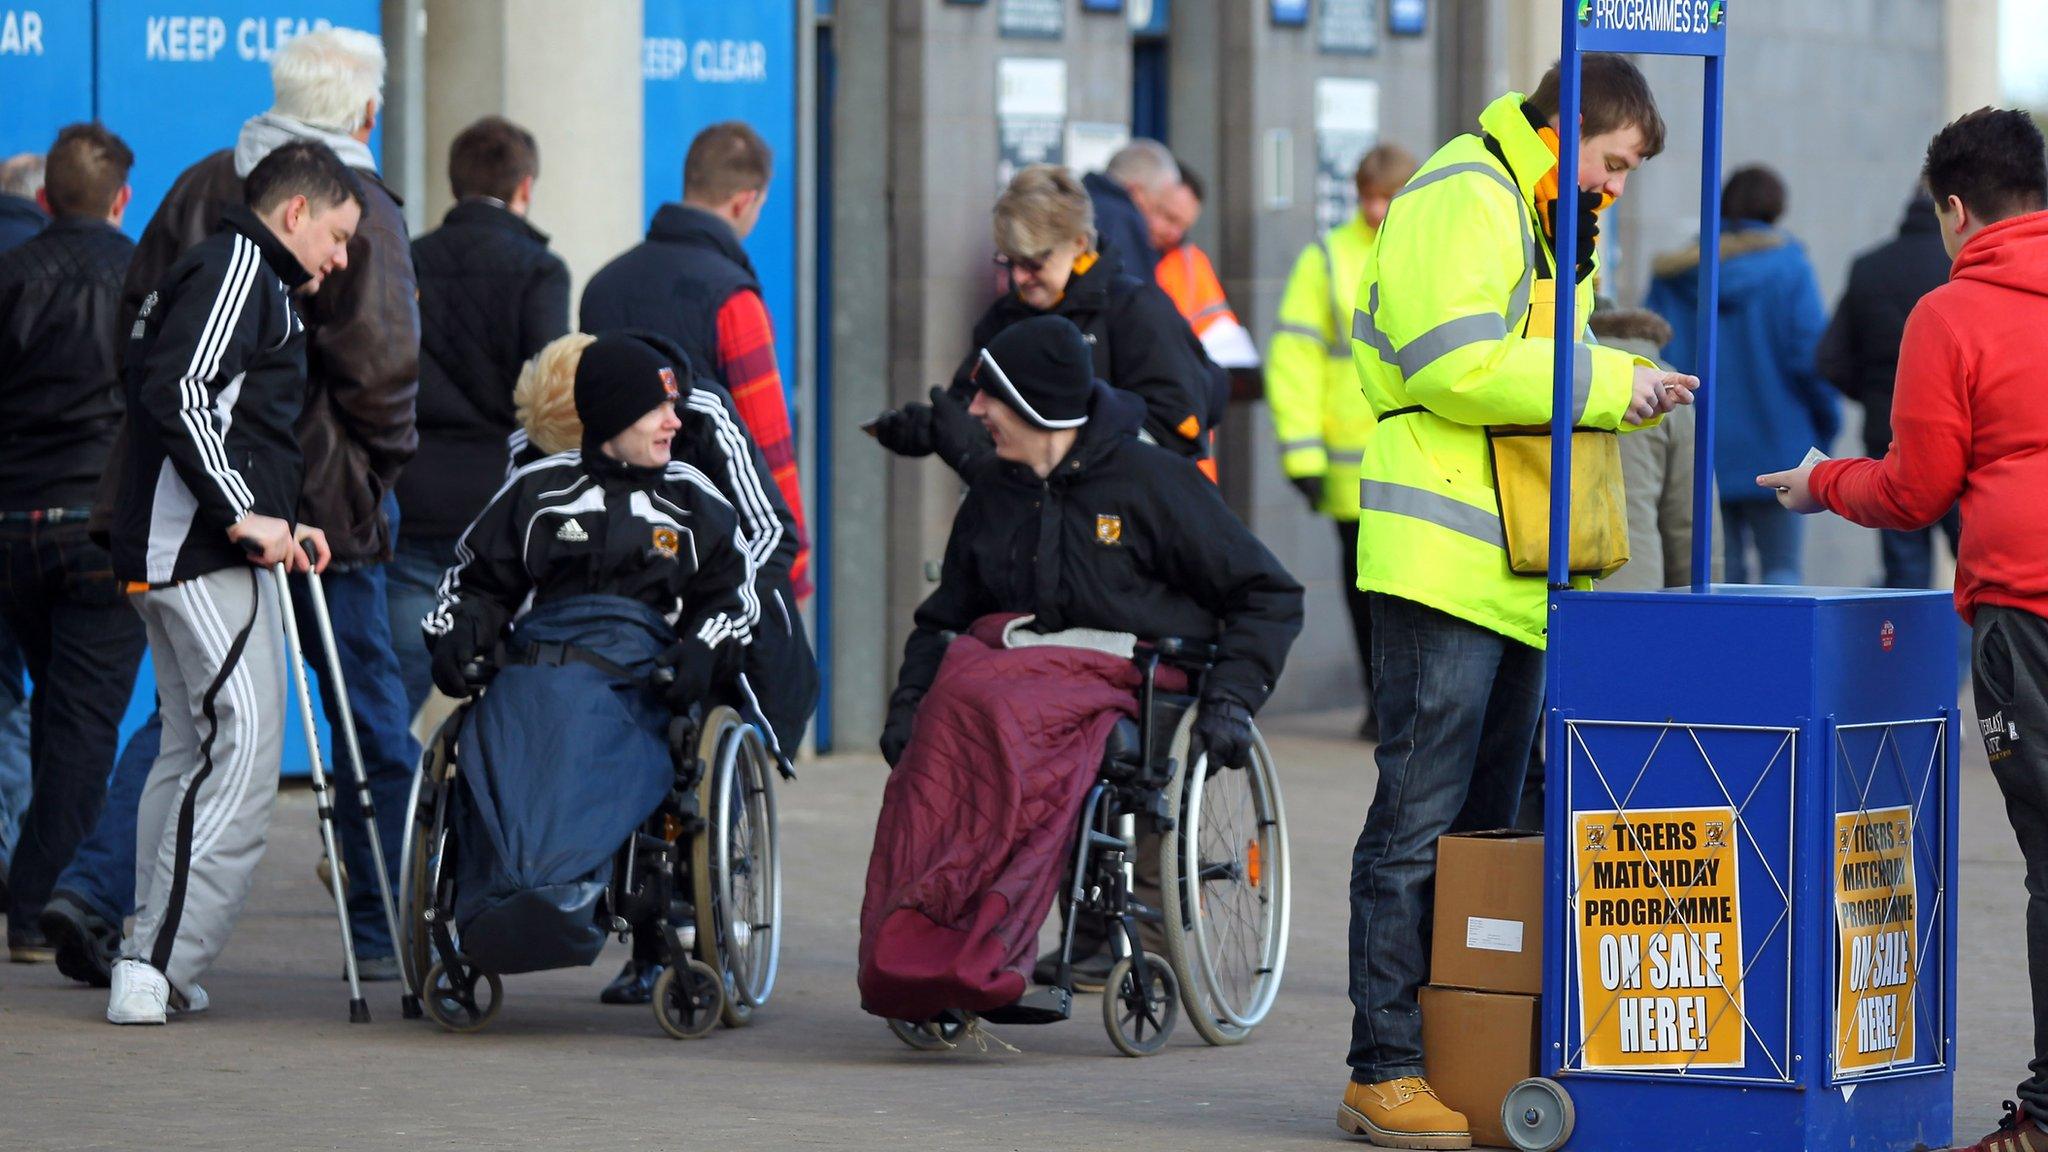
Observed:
{"x":358,"y":1009}
{"x":409,"y":1002}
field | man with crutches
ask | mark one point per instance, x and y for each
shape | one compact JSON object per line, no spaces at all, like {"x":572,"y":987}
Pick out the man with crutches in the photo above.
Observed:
{"x":215,"y":378}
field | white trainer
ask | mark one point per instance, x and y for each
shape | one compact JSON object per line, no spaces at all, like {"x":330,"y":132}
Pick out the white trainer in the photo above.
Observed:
{"x":193,"y":999}
{"x":139,"y":994}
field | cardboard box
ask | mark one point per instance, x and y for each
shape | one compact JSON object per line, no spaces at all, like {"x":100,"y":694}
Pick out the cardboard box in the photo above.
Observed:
{"x":1489,"y":912}
{"x":1476,"y":1046}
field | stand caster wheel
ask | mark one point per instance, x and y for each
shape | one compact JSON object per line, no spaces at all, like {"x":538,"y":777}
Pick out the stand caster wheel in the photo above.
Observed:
{"x":688,"y":998}
{"x":1537,"y":1115}
{"x":450,"y":998}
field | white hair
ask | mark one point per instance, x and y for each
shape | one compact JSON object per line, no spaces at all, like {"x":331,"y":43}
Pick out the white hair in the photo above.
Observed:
{"x":22,"y":175}
{"x":325,"y":78}
{"x":1143,"y":164}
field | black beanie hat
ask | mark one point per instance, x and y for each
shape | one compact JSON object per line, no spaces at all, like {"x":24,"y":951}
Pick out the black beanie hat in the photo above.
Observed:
{"x":619,"y":379}
{"x":1042,"y":369}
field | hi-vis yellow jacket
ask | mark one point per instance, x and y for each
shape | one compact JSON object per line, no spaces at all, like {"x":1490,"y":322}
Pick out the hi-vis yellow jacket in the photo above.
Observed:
{"x":1319,"y":414}
{"x":1453,"y":333}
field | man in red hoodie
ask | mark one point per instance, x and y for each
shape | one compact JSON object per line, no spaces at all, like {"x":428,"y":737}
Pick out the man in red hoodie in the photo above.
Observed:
{"x":1969,"y":423}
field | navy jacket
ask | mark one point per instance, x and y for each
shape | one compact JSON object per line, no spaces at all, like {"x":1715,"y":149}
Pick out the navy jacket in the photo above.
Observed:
{"x":20,"y":219}
{"x":1120,"y":227}
{"x":673,"y":283}
{"x":1860,"y":353}
{"x":1771,"y":402}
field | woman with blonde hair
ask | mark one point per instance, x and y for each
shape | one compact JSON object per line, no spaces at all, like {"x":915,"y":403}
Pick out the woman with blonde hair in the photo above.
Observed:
{"x":1045,"y":242}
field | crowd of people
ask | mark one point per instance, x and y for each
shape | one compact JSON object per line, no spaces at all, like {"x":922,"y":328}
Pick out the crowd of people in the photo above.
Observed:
{"x":277,"y":375}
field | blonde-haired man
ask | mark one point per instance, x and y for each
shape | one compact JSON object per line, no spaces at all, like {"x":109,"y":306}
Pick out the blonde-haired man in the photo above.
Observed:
{"x":355,"y":432}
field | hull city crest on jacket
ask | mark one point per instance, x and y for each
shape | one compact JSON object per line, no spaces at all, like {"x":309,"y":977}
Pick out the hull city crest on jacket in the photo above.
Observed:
{"x":667,"y":541}
{"x":1109,"y":529}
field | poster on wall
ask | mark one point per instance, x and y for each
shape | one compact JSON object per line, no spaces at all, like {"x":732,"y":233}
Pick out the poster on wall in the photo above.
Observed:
{"x":178,"y":81}
{"x":1877,"y":959}
{"x":1657,"y":915}
{"x":1090,"y":144}
{"x":704,"y":63}
{"x":1348,"y":26}
{"x":1032,"y":19}
{"x":1347,"y":127}
{"x":1031,"y":113}
{"x":46,"y":72}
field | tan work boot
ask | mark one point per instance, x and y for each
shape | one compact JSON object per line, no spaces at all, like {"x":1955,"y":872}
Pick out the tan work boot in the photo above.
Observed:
{"x":1402,"y":1113}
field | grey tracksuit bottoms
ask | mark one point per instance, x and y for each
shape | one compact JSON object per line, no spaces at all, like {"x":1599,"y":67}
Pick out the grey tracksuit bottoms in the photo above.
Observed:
{"x":216,"y":643}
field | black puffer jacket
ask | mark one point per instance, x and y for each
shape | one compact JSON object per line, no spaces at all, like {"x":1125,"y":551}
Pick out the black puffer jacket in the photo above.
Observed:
{"x":60,"y":389}
{"x":1141,"y":344}
{"x":1859,"y":354}
{"x":491,"y":295}
{"x":1122,"y":536}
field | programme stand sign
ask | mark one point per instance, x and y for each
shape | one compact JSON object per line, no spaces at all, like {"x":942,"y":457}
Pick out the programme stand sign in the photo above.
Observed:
{"x":1654,"y":27}
{"x":177,"y":80}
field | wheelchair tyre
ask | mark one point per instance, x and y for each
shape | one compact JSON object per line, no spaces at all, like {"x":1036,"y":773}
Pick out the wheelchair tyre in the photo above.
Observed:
{"x":1225,"y":887}
{"x":419,"y":863}
{"x":454,"y":1010}
{"x":938,"y":1035}
{"x":1139,"y":1021}
{"x":688,"y":998}
{"x":736,"y":868}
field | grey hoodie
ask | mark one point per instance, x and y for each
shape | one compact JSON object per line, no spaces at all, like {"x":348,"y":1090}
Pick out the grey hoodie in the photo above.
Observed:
{"x":266,"y":133}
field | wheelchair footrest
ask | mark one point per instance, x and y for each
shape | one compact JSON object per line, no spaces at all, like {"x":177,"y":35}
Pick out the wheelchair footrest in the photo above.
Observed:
{"x":1038,"y":1006}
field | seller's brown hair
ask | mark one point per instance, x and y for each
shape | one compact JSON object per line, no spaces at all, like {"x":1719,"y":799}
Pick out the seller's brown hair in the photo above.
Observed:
{"x":1613,"y":94}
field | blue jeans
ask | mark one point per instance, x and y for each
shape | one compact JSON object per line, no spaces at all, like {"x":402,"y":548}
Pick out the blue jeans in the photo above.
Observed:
{"x":376,"y":697}
{"x":101,"y":875}
{"x":1459,"y":707}
{"x":415,"y":572}
{"x":1909,"y":556}
{"x":1775,"y":531}
{"x":83,"y":644}
{"x":14,"y":781}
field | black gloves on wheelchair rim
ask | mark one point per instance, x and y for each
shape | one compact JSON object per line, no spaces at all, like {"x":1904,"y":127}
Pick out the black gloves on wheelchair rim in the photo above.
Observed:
{"x":698,"y":668}
{"x":471,"y":638}
{"x":1224,"y":728}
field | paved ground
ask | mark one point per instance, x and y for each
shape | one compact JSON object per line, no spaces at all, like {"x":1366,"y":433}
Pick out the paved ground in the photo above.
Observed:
{"x":275,"y":1065}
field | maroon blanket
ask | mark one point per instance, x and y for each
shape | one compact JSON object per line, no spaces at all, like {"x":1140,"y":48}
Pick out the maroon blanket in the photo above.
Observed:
{"x":978,"y":820}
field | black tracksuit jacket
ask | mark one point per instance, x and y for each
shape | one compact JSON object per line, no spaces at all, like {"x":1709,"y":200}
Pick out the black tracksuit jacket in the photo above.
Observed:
{"x":1123,"y":536}
{"x":580,"y":524}
{"x":60,"y":384}
{"x":215,"y":378}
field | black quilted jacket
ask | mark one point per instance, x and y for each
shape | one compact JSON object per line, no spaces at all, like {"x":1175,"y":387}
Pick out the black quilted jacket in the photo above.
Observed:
{"x":491,"y":295}
{"x":60,"y":392}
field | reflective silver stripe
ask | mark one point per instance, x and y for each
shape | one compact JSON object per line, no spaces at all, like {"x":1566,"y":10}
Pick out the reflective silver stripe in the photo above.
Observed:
{"x":1352,"y":456}
{"x":1448,"y":337}
{"x":1582,"y":380}
{"x":1299,"y":330}
{"x":1362,"y":328}
{"x":1432,"y":508}
{"x":1450,"y":170}
{"x":1300,"y":445}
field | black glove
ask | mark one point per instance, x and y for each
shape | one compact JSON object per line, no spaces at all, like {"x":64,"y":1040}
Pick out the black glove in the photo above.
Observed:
{"x":1224,"y":727}
{"x":1311,"y":489}
{"x":696,"y":669}
{"x":957,"y":437}
{"x":1589,"y":230}
{"x":896,"y":733}
{"x":472,"y":633}
{"x":906,"y":431}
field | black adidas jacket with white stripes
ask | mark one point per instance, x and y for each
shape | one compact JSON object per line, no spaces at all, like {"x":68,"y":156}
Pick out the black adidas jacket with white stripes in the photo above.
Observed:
{"x":215,"y":377}
{"x":577,"y":524}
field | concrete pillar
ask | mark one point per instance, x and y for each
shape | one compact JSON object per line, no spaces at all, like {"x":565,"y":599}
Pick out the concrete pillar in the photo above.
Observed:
{"x":1970,"y":39}
{"x":405,"y":107}
{"x":573,"y":80}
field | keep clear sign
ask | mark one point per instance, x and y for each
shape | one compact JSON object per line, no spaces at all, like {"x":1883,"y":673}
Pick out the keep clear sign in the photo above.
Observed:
{"x":1659,"y":929}
{"x":1874,"y":935}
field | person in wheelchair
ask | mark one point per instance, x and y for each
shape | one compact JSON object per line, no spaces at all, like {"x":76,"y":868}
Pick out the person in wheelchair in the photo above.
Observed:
{"x":781,"y":677}
{"x":994,"y":737}
{"x":624,"y":569}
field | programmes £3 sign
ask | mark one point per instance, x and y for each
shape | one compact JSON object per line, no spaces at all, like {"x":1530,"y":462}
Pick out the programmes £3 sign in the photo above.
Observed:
{"x":704,"y":61}
{"x":178,"y":77}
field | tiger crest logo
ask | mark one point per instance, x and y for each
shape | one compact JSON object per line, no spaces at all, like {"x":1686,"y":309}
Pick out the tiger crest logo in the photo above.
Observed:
{"x":1109,"y":529}
{"x":667,"y":540}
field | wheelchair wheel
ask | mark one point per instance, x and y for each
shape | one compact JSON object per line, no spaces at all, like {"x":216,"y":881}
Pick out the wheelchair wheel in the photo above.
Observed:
{"x":1224,"y":888}
{"x":937,"y":1035}
{"x":419,"y":862}
{"x":454,"y":1008}
{"x":688,"y":998}
{"x":736,"y":867}
{"x":1140,"y":1020}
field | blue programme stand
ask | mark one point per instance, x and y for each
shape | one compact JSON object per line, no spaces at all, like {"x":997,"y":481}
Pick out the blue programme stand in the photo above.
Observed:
{"x":1751,"y":811}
